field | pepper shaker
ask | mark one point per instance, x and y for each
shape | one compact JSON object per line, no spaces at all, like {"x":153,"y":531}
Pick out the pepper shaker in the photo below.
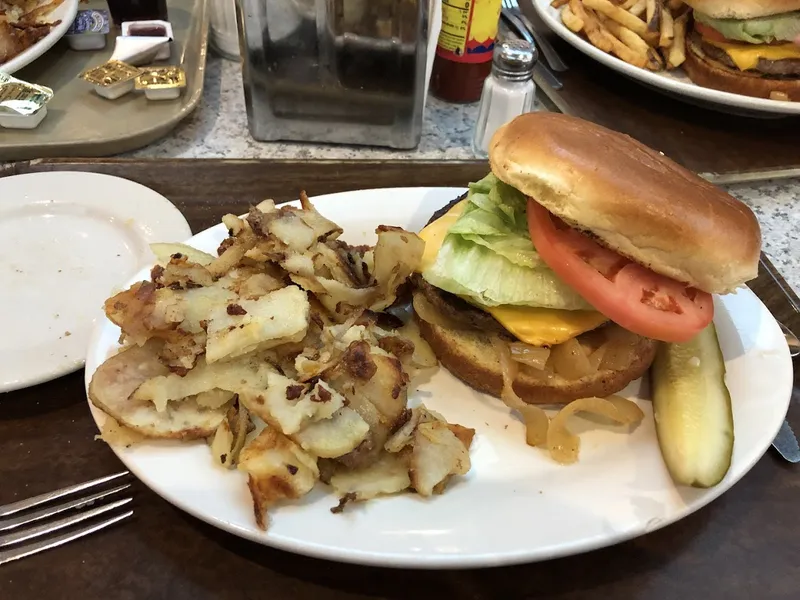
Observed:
{"x":508,"y":92}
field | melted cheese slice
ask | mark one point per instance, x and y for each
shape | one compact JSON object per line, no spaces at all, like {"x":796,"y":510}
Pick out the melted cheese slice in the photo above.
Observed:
{"x":545,"y":326}
{"x":746,"y":56}
{"x":433,"y":234}
{"x":534,"y":326}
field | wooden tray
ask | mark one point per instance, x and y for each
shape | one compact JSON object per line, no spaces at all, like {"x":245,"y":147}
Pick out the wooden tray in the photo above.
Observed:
{"x":81,"y":123}
{"x":745,"y":545}
{"x":722,"y":147}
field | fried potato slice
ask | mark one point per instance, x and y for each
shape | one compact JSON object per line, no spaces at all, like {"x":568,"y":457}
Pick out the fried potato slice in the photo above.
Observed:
{"x":115,"y":434}
{"x":239,"y":376}
{"x":333,"y":437}
{"x":289,"y":406}
{"x":386,"y":475}
{"x":230,"y":437}
{"x":277,"y":469}
{"x":397,"y":255}
{"x":249,"y":325}
{"x":164,"y":252}
{"x":375,"y":386}
{"x":437,"y":454}
{"x":112,"y":390}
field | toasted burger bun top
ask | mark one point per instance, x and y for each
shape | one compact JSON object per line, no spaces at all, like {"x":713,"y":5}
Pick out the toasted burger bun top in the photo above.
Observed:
{"x":743,"y":9}
{"x":633,"y":199}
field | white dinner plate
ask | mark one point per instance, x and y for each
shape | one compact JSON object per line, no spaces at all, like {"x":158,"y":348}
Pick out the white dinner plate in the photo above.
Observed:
{"x":515,"y":505}
{"x":674,"y":83}
{"x":67,"y":239}
{"x":65,"y":12}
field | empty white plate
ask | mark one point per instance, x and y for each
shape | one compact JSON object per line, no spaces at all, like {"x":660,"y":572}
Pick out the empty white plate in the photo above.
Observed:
{"x":67,"y":240}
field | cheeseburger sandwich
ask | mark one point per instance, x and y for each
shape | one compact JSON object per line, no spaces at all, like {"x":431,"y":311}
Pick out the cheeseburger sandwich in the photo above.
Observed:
{"x":746,"y":47}
{"x":576,"y":255}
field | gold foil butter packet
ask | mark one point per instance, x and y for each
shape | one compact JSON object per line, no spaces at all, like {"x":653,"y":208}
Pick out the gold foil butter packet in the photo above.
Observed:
{"x":161,"y":78}
{"x":161,"y":83}
{"x":111,"y":73}
{"x":20,"y":98}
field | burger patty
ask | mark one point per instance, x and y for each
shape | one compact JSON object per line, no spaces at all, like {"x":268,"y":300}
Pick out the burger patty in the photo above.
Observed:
{"x":457,"y":310}
{"x":443,"y":211}
{"x":787,"y":67}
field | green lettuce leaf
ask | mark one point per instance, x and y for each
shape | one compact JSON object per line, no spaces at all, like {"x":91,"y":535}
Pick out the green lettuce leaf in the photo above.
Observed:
{"x":764,"y":30}
{"x":488,"y":258}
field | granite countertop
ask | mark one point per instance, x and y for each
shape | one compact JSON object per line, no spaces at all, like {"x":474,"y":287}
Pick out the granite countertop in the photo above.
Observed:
{"x":218,"y":129}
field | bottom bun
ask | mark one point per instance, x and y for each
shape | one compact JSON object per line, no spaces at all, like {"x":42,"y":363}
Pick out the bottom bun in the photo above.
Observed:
{"x":709,"y":73}
{"x":469,"y":355}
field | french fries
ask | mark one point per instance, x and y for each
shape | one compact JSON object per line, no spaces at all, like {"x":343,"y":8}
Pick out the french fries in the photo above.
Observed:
{"x":571,"y":20}
{"x":646,"y":56}
{"x":650,"y":34}
{"x":650,"y":11}
{"x":623,"y":17}
{"x":639,"y":8}
{"x":667,"y":29}
{"x":591,"y":26}
{"x":676,"y":53}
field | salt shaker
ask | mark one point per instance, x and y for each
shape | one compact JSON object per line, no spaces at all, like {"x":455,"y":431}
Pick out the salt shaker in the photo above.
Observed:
{"x":508,"y":91}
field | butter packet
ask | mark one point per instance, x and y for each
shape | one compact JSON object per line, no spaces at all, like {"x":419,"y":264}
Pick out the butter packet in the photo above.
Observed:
{"x":88,"y":30}
{"x":23,"y":105}
{"x":112,"y":79}
{"x":161,"y":83}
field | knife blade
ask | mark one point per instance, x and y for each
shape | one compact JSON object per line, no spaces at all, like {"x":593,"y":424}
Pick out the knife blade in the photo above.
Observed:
{"x":786,"y":444}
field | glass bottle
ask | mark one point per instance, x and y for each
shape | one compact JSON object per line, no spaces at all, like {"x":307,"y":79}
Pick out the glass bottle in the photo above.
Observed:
{"x":508,"y":92}
{"x":464,"y":49}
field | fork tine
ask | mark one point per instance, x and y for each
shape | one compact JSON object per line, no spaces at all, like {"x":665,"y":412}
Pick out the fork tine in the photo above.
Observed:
{"x":32,"y":532}
{"x":15,"y":507}
{"x":29,"y":517}
{"x":29,"y":549}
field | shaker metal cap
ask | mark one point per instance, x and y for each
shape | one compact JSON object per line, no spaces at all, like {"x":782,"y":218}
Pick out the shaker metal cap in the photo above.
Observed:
{"x":514,"y":60}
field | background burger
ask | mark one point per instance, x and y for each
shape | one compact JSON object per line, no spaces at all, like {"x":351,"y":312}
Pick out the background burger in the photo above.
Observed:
{"x":575,"y":256}
{"x":746,"y":47}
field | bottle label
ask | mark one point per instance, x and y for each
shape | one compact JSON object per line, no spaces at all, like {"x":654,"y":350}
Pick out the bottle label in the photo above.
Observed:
{"x":469,"y":29}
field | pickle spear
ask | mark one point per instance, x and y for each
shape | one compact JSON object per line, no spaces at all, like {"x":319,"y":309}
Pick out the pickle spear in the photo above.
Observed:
{"x":692,"y":407}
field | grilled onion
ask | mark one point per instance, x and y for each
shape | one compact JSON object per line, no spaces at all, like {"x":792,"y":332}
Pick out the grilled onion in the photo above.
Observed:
{"x":570,"y":361}
{"x":533,"y":356}
{"x":564,"y":446}
{"x":535,"y":419}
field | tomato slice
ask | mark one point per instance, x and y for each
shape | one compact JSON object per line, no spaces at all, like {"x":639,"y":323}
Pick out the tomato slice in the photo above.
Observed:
{"x":629,"y":294}
{"x":710,"y":33}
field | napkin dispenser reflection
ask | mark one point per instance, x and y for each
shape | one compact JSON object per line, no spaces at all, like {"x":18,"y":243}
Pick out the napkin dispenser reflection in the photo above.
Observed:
{"x":336,"y":71}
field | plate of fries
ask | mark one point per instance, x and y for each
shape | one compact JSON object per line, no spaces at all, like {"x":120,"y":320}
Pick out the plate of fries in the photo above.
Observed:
{"x":646,"y":41}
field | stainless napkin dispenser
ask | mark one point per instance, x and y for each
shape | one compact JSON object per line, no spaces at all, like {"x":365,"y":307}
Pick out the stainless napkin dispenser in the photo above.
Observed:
{"x":337,"y":71}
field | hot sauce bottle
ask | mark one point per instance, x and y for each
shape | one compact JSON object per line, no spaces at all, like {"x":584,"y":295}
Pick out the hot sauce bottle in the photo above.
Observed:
{"x":464,"y":50}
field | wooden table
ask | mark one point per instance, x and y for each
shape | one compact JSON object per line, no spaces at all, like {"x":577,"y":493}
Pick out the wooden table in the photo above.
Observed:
{"x":744,"y":545}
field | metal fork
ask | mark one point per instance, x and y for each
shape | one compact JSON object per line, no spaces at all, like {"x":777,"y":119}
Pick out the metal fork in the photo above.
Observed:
{"x":17,"y":517}
{"x":550,"y":55}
